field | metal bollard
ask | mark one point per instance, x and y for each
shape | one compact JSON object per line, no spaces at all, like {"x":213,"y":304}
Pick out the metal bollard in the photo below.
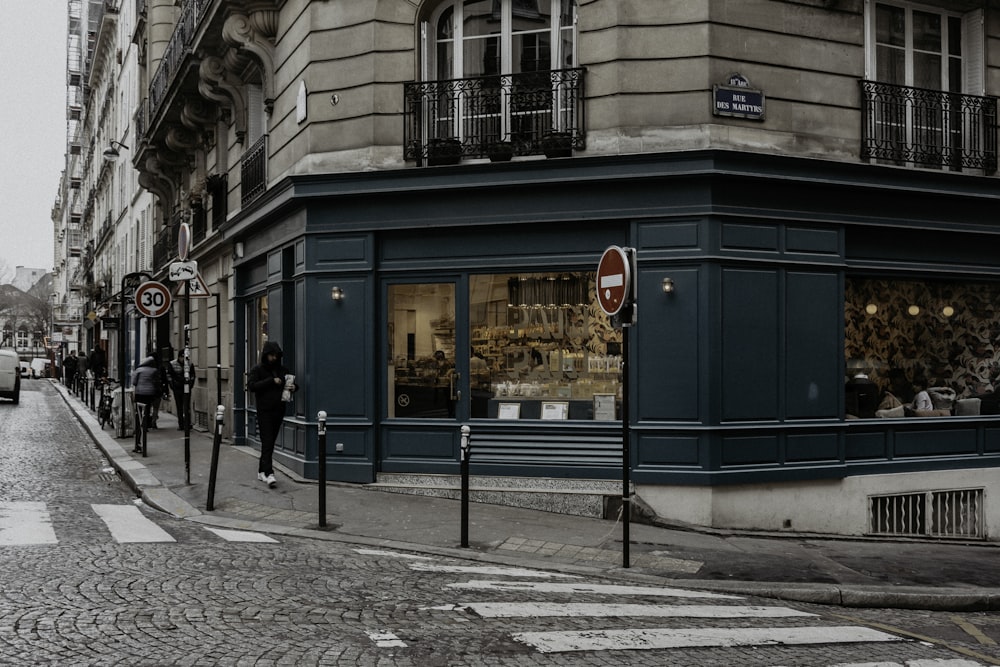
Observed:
{"x":216,"y":441}
{"x":466,"y":445}
{"x":321,"y":456}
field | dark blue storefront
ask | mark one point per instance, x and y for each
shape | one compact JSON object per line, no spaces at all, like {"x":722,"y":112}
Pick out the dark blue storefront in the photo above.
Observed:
{"x":738,"y":375}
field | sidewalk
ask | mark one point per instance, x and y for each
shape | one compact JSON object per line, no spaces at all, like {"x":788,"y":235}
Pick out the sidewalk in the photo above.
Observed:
{"x":807,"y":568}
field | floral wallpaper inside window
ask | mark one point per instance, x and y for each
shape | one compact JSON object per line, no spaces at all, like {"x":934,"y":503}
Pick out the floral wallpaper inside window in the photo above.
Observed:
{"x":908,"y":334}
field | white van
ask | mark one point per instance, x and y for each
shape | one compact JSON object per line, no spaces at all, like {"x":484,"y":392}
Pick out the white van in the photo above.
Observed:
{"x":40,"y":368}
{"x":10,"y":375}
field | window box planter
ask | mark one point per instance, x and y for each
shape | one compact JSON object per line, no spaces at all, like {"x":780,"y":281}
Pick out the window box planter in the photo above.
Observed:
{"x":444,"y":151}
{"x":557,"y":144}
{"x":500,"y":151}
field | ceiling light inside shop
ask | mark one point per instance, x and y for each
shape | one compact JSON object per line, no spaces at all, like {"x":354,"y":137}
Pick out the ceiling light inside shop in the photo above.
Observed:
{"x":871,"y":309}
{"x":947,"y":311}
{"x":913,"y":310}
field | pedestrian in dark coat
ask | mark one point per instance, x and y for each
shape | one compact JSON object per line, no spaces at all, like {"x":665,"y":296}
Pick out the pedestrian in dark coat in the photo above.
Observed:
{"x":69,"y":370}
{"x":148,"y":388}
{"x":267,"y":381}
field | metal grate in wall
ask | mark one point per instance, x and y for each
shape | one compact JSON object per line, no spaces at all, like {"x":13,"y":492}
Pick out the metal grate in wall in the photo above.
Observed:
{"x":956,"y":513}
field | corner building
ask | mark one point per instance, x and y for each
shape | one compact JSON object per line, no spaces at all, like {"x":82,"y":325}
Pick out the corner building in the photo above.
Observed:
{"x":412,"y":198}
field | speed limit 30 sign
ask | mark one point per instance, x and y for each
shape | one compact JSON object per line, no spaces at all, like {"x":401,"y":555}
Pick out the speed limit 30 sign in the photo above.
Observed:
{"x":152,"y":299}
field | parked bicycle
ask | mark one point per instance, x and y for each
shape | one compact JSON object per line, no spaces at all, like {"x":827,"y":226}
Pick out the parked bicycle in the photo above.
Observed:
{"x":105,"y":409}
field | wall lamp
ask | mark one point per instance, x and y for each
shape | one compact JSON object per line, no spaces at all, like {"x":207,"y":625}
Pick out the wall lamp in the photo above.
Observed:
{"x":336,"y":293}
{"x":111,"y":152}
{"x":668,"y":285}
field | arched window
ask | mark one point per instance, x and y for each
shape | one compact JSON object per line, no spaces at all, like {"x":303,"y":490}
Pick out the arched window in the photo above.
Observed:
{"x":488,"y":37}
{"x":495,"y":71}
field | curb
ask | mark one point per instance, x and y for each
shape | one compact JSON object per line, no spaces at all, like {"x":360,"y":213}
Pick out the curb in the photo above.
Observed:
{"x":156,"y":495}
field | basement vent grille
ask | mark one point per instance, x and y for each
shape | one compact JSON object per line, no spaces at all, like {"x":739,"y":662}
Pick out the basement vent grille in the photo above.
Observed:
{"x":957,"y":513}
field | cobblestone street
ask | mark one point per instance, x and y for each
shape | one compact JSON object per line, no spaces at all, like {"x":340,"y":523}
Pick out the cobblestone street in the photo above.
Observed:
{"x":154,"y":590}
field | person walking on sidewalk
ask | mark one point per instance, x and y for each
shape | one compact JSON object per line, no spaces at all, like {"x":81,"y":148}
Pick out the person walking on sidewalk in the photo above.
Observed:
{"x":148,"y":388}
{"x":267,"y":381}
{"x":175,"y":374}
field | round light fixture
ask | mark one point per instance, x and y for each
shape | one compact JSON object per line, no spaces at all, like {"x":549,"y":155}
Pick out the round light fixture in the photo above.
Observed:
{"x":871,"y":309}
{"x":947,"y":311}
{"x":913,"y":310}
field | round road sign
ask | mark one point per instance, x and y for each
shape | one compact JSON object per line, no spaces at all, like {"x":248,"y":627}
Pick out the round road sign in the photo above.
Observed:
{"x":183,"y":241}
{"x":614,"y":280}
{"x":152,"y":299}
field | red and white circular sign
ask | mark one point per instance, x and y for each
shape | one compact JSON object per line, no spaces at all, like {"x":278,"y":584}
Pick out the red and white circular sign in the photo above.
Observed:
{"x":152,"y":299}
{"x":183,"y":241}
{"x":614,"y":280}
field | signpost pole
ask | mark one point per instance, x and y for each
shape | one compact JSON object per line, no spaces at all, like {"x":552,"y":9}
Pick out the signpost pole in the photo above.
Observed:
{"x":616,"y":296}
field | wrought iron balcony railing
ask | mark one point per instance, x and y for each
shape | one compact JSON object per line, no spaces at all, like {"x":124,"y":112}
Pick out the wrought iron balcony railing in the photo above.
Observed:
{"x":253,"y":171}
{"x":525,"y":114}
{"x":177,"y":47}
{"x":905,"y":125}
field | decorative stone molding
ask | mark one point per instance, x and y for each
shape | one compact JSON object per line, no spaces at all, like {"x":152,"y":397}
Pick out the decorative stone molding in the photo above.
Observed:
{"x":255,"y":34}
{"x":218,"y":85}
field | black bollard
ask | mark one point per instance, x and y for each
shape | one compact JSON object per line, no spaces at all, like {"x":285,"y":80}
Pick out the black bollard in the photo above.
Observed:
{"x":216,"y":441}
{"x":321,"y":456}
{"x":464,"y":467}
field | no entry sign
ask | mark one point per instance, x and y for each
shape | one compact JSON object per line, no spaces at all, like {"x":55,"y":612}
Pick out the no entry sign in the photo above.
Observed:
{"x":152,"y":299}
{"x":614,"y":280}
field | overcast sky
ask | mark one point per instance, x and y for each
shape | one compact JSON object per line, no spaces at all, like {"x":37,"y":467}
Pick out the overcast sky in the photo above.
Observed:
{"x":33,"y":122}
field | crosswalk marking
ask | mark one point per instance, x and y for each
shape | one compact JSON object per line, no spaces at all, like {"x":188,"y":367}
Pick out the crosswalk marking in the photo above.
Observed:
{"x":604,"y":589}
{"x":128,"y":525}
{"x":25,"y":523}
{"x":660,"y":638}
{"x":587,"y":609}
{"x":390,"y":554}
{"x":386,"y":640}
{"x":486,"y":570}
{"x":241,"y":535}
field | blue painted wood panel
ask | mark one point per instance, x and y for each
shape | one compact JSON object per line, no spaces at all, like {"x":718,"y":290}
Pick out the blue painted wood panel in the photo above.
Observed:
{"x":812,"y":447}
{"x":750,"y":344}
{"x":813,"y":352}
{"x":666,"y":345}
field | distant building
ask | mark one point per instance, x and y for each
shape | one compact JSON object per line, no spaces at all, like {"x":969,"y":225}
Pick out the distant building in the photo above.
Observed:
{"x":25,"y":278}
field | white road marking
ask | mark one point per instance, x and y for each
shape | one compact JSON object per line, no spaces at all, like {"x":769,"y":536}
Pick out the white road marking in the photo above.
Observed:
{"x":603,"y":589}
{"x":25,"y":523}
{"x":579,"y":609}
{"x":617,"y":640}
{"x":128,"y":525}
{"x":241,"y":535}
{"x":937,"y":662}
{"x":488,"y":570}
{"x":386,"y":640}
{"x":390,"y":554}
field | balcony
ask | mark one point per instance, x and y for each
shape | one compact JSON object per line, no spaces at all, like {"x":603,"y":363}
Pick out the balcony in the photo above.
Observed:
{"x":932,"y":128}
{"x":177,"y":48}
{"x":531,"y":113}
{"x":253,"y":171}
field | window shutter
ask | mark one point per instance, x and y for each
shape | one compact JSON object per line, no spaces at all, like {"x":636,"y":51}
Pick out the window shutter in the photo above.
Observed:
{"x":973,"y":46}
{"x":255,"y":113}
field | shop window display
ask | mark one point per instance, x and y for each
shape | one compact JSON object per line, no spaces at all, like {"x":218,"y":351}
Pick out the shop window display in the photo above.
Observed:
{"x":907,"y":342}
{"x":541,"y":340}
{"x":539,"y":347}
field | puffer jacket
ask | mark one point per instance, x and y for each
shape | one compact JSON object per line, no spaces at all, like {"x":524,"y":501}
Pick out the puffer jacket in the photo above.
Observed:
{"x":261,"y":382}
{"x":146,"y":378}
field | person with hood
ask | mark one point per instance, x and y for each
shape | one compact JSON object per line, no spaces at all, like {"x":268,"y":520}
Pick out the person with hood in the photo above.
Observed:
{"x":267,"y":381}
{"x":148,"y":387}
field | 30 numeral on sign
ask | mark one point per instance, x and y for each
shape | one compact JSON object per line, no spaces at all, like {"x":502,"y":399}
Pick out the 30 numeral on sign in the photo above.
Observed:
{"x":152,"y":299}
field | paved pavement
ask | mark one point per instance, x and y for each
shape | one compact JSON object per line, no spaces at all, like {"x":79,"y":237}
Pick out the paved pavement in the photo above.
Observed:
{"x":808,"y":568}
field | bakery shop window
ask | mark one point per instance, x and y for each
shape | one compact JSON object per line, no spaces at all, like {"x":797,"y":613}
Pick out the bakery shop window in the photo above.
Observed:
{"x":541,"y":348}
{"x":918,"y":348}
